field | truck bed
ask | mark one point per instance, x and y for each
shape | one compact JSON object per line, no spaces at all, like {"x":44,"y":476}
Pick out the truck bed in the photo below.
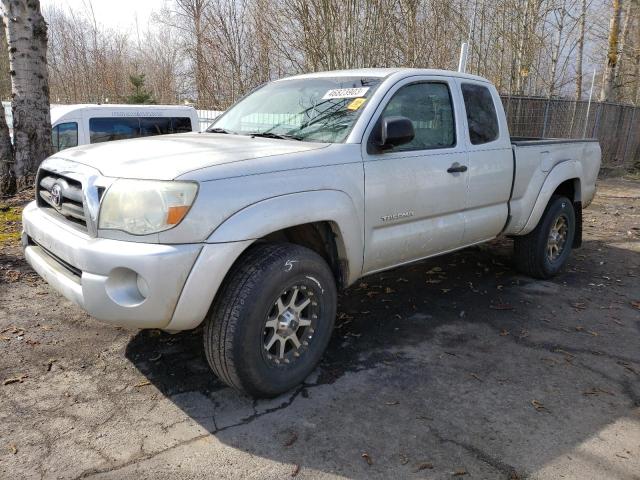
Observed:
{"x":535,"y":159}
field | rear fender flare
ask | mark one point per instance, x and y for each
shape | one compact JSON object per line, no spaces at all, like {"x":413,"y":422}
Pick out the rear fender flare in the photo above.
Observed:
{"x":569,"y":170}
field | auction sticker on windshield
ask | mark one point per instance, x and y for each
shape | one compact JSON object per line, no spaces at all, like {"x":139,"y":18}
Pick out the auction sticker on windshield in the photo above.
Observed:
{"x":356,"y":104}
{"x":345,"y":93}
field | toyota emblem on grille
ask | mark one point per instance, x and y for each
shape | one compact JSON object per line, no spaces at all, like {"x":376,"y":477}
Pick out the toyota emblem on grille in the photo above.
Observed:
{"x":56,"y":195}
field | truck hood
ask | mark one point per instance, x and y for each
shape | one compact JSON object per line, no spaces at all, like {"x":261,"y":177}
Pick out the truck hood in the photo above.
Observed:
{"x":166,"y":157}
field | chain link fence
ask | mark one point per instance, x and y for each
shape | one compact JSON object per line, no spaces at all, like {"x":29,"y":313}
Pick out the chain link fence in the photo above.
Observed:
{"x":207,"y":117}
{"x":616,"y":126}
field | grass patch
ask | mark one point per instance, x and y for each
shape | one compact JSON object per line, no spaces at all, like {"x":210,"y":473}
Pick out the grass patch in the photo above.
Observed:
{"x":10,"y":224}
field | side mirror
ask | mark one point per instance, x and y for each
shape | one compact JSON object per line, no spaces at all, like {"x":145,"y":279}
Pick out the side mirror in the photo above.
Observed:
{"x":396,"y":131}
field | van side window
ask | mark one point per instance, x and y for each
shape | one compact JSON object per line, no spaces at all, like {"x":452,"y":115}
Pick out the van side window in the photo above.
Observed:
{"x":107,"y":129}
{"x":181,"y":124}
{"x":481,"y":113}
{"x":64,"y":135}
{"x":154,"y":126}
{"x":54,"y":139}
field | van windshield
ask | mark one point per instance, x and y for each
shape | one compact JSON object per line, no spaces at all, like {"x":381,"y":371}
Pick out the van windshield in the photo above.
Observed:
{"x":311,"y":109}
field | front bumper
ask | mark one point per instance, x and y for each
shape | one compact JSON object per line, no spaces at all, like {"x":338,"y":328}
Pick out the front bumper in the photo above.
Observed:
{"x":141,"y":285}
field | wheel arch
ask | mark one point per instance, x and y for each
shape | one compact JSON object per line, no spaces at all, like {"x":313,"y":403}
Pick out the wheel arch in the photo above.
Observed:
{"x":326,"y":221}
{"x":564,"y":179}
{"x":324,"y":238}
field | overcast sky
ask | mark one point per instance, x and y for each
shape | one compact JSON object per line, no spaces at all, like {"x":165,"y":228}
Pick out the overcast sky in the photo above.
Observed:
{"x":120,"y":14}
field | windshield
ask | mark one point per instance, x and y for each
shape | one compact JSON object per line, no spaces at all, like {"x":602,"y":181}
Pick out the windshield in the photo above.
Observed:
{"x":311,"y":109}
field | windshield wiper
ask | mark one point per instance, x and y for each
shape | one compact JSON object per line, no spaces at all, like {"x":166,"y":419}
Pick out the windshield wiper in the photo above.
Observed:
{"x":282,"y":136}
{"x":218,"y":130}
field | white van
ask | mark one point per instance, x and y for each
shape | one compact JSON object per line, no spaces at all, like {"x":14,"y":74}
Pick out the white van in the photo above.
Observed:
{"x":74,"y":125}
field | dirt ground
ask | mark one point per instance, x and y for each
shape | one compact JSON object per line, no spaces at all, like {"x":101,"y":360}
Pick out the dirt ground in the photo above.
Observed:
{"x":455,"y":367}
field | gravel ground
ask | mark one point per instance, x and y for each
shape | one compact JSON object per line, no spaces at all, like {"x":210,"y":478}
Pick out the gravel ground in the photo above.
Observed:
{"x":455,"y":367}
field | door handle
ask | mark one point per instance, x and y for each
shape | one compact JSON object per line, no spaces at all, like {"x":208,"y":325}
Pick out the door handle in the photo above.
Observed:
{"x":457,"y":168}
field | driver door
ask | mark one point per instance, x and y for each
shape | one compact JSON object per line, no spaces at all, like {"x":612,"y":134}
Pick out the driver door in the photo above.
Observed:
{"x":415,"y":193}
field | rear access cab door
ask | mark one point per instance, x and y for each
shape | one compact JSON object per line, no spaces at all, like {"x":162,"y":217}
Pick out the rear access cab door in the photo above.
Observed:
{"x":490,"y":160}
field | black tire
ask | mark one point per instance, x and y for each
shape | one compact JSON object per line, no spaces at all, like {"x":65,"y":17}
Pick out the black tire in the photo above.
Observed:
{"x":235,"y":334}
{"x":530,"y":251}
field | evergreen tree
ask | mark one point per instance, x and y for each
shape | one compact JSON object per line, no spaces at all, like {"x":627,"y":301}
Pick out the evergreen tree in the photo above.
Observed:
{"x":141,"y":95}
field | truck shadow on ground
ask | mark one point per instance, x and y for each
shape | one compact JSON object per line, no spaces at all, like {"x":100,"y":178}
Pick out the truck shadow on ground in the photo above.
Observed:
{"x":454,"y":363}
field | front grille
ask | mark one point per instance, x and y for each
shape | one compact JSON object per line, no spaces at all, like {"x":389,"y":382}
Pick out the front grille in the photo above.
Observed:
{"x":62,"y":195}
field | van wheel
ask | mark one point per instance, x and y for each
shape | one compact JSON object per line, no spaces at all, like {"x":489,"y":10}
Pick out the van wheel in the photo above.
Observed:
{"x":272,"y":319}
{"x":543,"y":252}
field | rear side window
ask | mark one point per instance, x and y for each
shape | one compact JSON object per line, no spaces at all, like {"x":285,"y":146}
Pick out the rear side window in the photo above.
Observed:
{"x":181,"y":125}
{"x":64,"y":135}
{"x":481,"y":113}
{"x":120,"y":128}
{"x":107,"y":129}
{"x":155,"y":126}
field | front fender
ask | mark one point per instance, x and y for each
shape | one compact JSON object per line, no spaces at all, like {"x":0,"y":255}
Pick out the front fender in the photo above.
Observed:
{"x":562,"y":172}
{"x":276,"y":213}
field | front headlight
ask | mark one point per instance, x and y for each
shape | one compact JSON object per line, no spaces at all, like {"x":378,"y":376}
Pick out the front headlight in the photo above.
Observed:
{"x":141,"y":207}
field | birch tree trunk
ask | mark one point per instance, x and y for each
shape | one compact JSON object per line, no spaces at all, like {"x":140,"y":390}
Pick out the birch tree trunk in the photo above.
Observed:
{"x":636,"y":70}
{"x":609,"y":82}
{"x":5,"y":79}
{"x":27,"y":40}
{"x":7,"y":177}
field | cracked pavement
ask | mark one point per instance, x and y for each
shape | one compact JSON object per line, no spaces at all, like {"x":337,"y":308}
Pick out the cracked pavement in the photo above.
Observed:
{"x":454,"y":367}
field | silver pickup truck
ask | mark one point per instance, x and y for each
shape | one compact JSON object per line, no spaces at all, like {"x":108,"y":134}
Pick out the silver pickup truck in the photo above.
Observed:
{"x":301,"y":188}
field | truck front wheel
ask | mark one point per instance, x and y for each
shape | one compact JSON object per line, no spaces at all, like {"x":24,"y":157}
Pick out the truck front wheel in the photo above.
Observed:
{"x":271,"y":320}
{"x":544,"y":251}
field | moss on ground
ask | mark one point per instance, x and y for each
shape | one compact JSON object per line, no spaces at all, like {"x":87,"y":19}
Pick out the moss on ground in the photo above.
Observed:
{"x":10,"y":224}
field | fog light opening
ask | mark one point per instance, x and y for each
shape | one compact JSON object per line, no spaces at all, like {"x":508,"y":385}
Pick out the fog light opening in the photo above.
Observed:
{"x":143,"y":286}
{"x":126,"y":288}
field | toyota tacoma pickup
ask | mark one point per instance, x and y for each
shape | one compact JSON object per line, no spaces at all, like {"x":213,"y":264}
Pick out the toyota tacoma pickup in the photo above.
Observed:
{"x":302,"y":187}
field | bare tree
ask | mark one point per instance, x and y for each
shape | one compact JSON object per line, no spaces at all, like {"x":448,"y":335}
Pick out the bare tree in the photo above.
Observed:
{"x":623,"y":54}
{"x":188,"y":17}
{"x":27,"y":40}
{"x":215,"y":51}
{"x":609,"y":81}
{"x":580,"y":54}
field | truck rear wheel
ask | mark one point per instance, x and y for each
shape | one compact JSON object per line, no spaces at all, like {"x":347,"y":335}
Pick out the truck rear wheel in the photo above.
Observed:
{"x":544,"y":251}
{"x":272,"y":319}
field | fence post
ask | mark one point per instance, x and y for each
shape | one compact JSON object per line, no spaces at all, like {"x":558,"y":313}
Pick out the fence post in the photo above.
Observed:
{"x":586,"y":121}
{"x":546,"y":117}
{"x":626,"y":143}
{"x":573,"y":117}
{"x":596,"y":122}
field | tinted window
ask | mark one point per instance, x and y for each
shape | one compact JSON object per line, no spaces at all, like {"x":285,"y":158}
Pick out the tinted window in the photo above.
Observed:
{"x":54,"y":139}
{"x":155,"y":126}
{"x":64,"y":136}
{"x":107,"y":129}
{"x":181,"y":125}
{"x":481,"y":113}
{"x":429,"y":107}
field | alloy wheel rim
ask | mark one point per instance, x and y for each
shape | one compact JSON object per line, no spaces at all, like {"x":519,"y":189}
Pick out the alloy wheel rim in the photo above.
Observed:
{"x":557,"y":239}
{"x":290,"y":325}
